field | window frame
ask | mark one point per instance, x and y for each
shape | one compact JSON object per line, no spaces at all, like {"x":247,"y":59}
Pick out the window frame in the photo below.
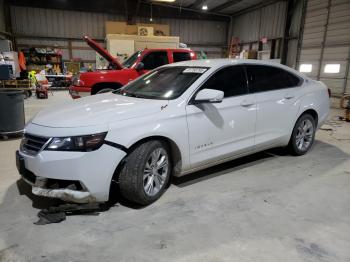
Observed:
{"x":251,"y":89}
{"x":200,"y":87}
{"x":152,"y":52}
{"x":181,"y":52}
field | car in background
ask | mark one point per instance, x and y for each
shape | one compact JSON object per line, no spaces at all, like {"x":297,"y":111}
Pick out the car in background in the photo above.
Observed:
{"x":119,"y":74}
{"x":174,"y":120}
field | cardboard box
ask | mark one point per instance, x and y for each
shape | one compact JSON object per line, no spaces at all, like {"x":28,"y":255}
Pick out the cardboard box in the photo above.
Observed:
{"x":115,"y":27}
{"x":123,"y":28}
{"x":158,"y":29}
{"x":145,"y":30}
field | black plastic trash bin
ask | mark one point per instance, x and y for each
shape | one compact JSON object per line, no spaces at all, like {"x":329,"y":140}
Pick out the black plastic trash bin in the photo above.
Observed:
{"x":11,"y":111}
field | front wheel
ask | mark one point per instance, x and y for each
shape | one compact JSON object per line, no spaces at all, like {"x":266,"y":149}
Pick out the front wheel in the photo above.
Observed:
{"x":146,"y":172}
{"x":303,"y":135}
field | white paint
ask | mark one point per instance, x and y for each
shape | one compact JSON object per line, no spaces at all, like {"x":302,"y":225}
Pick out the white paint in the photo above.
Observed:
{"x":206,"y":133}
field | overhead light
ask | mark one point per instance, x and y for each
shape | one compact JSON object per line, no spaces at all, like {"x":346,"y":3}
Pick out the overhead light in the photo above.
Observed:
{"x":204,"y":7}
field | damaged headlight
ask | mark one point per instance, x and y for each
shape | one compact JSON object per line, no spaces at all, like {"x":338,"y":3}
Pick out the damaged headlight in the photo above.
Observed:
{"x":77,"y":143}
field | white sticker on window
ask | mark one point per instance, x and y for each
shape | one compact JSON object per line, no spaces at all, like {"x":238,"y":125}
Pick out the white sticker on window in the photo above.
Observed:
{"x":195,"y":70}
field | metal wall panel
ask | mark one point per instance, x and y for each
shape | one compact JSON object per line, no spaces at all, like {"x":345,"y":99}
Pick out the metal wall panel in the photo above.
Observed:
{"x":267,"y":22}
{"x":209,"y":36}
{"x":59,"y":23}
{"x":2,"y":16}
{"x":326,"y":40}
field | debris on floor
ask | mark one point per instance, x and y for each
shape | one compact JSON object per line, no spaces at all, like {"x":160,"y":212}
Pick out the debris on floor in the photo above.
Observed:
{"x":59,"y":213}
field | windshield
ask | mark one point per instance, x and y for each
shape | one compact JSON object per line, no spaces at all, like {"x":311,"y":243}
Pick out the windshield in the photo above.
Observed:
{"x":131,"y":59}
{"x":163,"y":83}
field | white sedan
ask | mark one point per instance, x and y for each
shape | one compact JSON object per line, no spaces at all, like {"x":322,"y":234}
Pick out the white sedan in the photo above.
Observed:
{"x":175,"y":120}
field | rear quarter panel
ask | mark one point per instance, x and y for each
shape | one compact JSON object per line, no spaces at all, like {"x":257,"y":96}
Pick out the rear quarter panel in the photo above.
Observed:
{"x":315,"y":97}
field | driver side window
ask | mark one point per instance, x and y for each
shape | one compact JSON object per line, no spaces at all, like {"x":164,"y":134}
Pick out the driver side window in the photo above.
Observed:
{"x":155,"y":59}
{"x":231,"y":80}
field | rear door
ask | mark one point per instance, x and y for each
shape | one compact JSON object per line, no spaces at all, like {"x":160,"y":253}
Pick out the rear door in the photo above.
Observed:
{"x":220,"y":130}
{"x":277,"y":92}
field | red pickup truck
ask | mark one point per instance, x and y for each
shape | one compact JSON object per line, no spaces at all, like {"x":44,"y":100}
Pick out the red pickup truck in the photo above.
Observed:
{"x":119,"y":74}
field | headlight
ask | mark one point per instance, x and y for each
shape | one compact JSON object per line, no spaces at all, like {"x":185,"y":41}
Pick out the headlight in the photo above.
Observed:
{"x":77,"y":81}
{"x":77,"y":143}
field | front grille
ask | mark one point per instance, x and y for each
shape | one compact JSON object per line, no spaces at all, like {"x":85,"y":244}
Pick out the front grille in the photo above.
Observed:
{"x":32,"y":144}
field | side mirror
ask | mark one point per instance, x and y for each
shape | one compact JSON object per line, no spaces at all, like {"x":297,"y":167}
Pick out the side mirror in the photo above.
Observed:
{"x":139,"y":66}
{"x":209,"y":96}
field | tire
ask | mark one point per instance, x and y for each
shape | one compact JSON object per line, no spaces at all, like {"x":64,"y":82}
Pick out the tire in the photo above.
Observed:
{"x":303,"y":135}
{"x":105,"y":90}
{"x":143,"y":172}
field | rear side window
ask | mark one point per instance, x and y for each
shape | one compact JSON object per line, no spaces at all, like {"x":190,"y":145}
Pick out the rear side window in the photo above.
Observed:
{"x":181,"y":56}
{"x":231,"y":80}
{"x":267,"y":78}
{"x":155,"y":59}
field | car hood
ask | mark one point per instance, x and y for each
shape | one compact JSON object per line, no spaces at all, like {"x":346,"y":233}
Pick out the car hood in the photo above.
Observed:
{"x":103,"y":52}
{"x":96,"y":110}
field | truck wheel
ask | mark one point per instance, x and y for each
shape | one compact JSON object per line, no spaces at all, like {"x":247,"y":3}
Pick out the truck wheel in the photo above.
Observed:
{"x":146,"y":172}
{"x":303,"y":135}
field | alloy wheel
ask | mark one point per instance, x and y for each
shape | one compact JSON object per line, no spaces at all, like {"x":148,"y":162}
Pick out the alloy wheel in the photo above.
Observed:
{"x":304,"y":135}
{"x":155,"y":171}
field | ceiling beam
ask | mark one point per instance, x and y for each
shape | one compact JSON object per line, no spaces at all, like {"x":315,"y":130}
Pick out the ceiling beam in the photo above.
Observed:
{"x":118,"y":7}
{"x":225,"y":5}
{"x":257,"y":6}
{"x":196,"y":4}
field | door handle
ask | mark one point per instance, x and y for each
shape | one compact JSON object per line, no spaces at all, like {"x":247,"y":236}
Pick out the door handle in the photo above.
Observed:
{"x":247,"y":103}
{"x":288,"y":96}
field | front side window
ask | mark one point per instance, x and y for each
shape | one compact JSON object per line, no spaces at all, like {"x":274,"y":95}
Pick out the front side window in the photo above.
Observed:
{"x":266,"y":78}
{"x":164,"y":83}
{"x":155,"y":59}
{"x":231,"y":80}
{"x":181,"y":56}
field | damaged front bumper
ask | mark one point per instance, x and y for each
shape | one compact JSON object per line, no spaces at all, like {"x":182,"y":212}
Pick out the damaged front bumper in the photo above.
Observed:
{"x":70,"y":193}
{"x":64,"y":194}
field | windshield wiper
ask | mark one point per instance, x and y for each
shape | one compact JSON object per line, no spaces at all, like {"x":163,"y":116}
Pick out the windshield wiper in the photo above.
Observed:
{"x":128,"y":94}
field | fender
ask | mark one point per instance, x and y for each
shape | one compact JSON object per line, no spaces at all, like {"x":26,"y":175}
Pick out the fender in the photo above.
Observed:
{"x":172,"y":128}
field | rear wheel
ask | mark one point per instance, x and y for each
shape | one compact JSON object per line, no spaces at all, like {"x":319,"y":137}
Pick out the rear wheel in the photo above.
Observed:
{"x":303,"y":135}
{"x":146,"y":172}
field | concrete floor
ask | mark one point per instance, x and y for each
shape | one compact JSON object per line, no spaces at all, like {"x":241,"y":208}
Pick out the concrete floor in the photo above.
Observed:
{"x":266,"y":207}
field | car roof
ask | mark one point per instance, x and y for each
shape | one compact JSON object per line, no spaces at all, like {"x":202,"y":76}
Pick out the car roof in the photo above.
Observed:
{"x":217,"y":63}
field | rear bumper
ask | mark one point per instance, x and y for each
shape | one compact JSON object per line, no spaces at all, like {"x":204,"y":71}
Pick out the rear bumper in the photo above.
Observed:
{"x":81,"y":177}
{"x":79,"y":91}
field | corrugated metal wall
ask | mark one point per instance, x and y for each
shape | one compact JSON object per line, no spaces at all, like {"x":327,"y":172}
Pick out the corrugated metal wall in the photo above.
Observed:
{"x":2,"y":18}
{"x":59,"y":23}
{"x":35,"y":22}
{"x":267,"y":22}
{"x":326,"y":40}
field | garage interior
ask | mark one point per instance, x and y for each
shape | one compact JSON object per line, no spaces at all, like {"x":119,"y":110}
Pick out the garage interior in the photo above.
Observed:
{"x":269,"y":206}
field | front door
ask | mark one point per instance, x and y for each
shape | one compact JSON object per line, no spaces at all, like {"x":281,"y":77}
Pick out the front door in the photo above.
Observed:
{"x":221,"y":130}
{"x":153,"y":60}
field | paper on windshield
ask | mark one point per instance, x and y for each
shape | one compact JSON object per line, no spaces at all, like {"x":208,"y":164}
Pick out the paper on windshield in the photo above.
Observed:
{"x":196,"y":70}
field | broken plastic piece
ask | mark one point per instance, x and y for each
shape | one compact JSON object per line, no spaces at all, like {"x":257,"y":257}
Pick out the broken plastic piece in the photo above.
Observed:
{"x":64,"y":194}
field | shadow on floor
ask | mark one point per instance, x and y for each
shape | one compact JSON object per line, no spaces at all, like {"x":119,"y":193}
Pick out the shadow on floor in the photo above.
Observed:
{"x":227,"y":167}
